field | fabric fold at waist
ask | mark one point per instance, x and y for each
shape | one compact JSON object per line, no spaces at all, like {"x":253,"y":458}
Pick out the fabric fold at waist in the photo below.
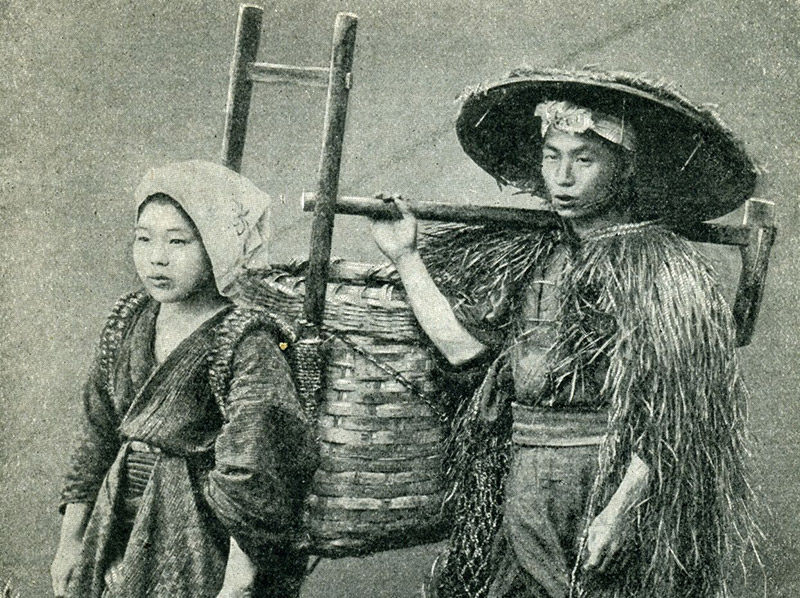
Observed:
{"x":536,"y":426}
{"x":139,"y":464}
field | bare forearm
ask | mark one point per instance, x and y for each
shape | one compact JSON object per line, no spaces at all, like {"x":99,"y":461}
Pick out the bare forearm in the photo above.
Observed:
{"x":397,"y":240}
{"x":632,"y":487}
{"x":609,"y":529}
{"x":434,"y":313}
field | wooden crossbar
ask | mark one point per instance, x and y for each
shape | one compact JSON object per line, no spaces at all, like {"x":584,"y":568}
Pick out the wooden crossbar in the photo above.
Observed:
{"x":312,"y":76}
{"x":245,"y":71}
{"x":337,"y":78}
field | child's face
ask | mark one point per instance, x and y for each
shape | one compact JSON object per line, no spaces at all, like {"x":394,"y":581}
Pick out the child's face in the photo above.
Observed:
{"x":168,"y":254}
{"x":579,"y":173}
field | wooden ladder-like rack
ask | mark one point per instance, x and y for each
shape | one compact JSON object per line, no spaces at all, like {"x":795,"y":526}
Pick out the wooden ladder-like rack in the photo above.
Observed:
{"x":337,"y":77}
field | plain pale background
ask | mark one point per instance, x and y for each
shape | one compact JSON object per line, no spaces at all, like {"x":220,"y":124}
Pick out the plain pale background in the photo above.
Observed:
{"x":94,"y":93}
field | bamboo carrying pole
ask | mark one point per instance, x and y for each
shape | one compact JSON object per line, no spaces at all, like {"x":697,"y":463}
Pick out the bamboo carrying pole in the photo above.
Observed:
{"x":371,"y":207}
{"x":429,"y":210}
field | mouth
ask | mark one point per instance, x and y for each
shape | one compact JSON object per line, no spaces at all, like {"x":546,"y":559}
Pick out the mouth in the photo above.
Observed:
{"x":564,"y":199}
{"x":159,"y":281}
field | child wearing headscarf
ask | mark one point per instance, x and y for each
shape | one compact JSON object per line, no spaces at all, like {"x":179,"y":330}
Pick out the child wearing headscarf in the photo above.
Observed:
{"x":194,"y":452}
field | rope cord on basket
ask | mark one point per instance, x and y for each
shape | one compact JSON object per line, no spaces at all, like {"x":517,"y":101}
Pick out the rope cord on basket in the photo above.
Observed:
{"x":308,"y":362}
{"x":391,"y":371}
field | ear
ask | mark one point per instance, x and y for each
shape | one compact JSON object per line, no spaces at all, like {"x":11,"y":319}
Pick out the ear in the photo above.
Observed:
{"x":626,"y":164}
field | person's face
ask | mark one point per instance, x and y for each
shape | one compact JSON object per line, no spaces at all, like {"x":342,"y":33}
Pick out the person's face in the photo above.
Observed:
{"x":579,"y":172}
{"x":169,"y":255}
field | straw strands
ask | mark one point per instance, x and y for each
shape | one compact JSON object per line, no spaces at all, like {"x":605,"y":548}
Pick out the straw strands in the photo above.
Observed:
{"x":676,"y":400}
{"x":639,"y":301}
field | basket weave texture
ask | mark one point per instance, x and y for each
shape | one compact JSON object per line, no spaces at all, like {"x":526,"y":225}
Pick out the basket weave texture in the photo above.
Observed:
{"x":380,"y":482}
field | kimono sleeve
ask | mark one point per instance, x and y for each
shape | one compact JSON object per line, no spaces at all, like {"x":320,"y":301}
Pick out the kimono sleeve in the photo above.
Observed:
{"x":265,"y":453}
{"x":97,"y":442}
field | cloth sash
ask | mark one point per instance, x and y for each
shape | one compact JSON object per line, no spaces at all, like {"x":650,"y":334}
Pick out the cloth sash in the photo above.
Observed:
{"x":536,"y":426}
{"x":547,"y":490}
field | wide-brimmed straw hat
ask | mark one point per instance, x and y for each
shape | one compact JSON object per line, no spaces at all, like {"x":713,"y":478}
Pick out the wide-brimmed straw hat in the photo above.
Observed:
{"x":689,"y":165}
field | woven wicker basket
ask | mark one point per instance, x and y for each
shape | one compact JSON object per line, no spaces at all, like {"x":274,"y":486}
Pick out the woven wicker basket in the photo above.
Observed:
{"x":379,"y":485}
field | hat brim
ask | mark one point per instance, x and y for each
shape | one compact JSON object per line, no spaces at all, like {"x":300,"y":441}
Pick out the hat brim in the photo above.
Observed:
{"x":688,"y":163}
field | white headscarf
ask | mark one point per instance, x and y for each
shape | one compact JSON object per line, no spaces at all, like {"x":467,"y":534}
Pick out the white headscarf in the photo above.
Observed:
{"x":571,"y":118}
{"x":230,"y":213}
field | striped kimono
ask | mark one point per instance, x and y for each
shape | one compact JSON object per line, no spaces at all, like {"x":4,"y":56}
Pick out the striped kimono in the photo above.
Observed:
{"x":173,"y":471}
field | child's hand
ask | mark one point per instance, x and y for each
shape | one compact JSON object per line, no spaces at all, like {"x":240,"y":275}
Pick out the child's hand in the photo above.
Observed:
{"x":70,"y":545}
{"x":64,"y":564}
{"x":396,"y":238}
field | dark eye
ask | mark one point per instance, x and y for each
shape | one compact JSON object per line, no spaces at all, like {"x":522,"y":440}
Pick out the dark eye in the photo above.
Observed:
{"x":141,"y":238}
{"x":584,"y":160}
{"x":548,"y":157}
{"x":178,"y":241}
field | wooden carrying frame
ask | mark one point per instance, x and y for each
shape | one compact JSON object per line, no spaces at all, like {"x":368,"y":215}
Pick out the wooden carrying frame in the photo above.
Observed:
{"x":379,"y":484}
{"x":338,"y":79}
{"x":367,"y":498}
{"x":754,"y":236}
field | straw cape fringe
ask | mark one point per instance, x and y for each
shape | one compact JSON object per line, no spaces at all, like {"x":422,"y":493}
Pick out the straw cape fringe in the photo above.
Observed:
{"x":484,"y":264}
{"x":644,"y":302}
{"x":676,"y":400}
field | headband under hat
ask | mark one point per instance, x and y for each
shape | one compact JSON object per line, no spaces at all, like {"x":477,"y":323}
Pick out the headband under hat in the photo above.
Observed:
{"x":689,"y":165}
{"x":571,"y":118}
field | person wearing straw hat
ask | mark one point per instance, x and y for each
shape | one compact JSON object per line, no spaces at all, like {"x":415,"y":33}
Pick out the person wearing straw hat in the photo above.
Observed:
{"x":600,"y":449}
{"x":189,"y":476}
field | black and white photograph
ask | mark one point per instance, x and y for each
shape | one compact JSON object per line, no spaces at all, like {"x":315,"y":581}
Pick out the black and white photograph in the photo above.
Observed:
{"x":399,"y":299}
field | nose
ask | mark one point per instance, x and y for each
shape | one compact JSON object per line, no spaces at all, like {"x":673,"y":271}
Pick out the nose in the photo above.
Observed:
{"x":564,"y":174}
{"x":159,"y":256}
